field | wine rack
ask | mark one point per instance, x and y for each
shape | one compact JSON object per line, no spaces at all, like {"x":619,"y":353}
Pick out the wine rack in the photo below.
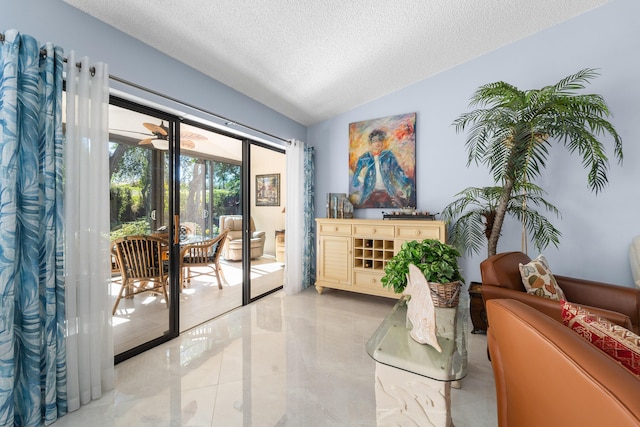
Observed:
{"x":372,"y":254}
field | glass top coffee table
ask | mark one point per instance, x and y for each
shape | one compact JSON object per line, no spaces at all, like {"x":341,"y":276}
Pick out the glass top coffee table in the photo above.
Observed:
{"x":413,"y":380}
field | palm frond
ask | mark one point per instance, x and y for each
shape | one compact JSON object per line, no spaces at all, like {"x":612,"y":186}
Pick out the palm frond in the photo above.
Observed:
{"x":495,"y":94}
{"x":542,"y":232}
{"x":467,"y":216}
{"x":467,"y":233}
{"x":575,"y":81}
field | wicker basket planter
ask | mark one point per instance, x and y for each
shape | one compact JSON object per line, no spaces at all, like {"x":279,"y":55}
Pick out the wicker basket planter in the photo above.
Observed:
{"x":445,"y":294}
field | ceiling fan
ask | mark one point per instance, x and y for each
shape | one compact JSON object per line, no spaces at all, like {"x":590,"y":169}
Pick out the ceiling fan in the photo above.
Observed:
{"x":159,"y":136}
{"x":160,"y":133}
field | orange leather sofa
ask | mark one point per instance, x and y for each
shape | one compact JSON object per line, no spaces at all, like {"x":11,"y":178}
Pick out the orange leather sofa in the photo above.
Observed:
{"x":501,"y":279}
{"x":547,"y":375}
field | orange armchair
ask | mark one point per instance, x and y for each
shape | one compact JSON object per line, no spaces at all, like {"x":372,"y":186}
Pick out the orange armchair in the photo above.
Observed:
{"x":546,"y":374}
{"x":501,"y":279}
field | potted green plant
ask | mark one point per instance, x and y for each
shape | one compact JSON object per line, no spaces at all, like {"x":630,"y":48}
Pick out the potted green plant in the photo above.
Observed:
{"x":438,"y":262}
{"x":511,"y":133}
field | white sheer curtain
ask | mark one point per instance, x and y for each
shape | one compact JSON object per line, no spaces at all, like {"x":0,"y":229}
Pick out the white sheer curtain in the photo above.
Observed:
{"x":294,"y":221}
{"x":90,"y":369}
{"x":299,"y":223}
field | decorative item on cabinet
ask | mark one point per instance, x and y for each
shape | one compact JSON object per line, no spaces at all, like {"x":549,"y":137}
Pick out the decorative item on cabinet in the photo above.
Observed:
{"x":404,"y":214}
{"x":339,"y":206}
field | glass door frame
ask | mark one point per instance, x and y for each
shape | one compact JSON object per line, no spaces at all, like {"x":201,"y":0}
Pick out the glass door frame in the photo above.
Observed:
{"x":246,"y":222}
{"x":174,"y":224}
{"x":157,"y":199}
{"x":247,"y":192}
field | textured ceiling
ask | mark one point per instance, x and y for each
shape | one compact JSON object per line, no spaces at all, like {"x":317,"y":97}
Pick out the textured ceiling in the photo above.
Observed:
{"x":311,"y":60}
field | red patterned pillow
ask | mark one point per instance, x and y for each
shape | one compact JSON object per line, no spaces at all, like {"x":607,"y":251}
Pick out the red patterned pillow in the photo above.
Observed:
{"x":618,"y":342}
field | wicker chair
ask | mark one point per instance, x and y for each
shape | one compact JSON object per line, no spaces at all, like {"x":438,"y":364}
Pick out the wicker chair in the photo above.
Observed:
{"x":202,"y":254}
{"x":116,"y":274}
{"x":141,"y":266}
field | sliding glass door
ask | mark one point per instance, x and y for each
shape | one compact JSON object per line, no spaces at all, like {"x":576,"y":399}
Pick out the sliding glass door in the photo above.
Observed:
{"x":211,"y":203}
{"x":210,"y":191}
{"x":268,"y":210}
{"x":139,"y":212}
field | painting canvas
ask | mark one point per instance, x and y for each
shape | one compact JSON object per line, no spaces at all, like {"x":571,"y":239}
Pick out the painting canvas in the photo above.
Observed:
{"x":382,"y":162}
{"x":268,"y":190}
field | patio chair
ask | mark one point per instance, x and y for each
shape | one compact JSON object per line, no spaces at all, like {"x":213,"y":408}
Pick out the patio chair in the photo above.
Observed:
{"x":202,"y":254}
{"x":116,"y":275}
{"x":141,"y":265}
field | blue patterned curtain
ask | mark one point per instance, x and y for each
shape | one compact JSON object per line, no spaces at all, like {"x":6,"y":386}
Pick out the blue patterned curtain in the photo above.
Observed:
{"x":32,"y":350}
{"x":309,"y":260}
{"x":300,"y":222}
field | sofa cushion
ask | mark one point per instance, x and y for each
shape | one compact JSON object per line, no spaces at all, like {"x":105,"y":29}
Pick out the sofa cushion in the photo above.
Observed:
{"x":618,"y":342}
{"x":538,"y":279}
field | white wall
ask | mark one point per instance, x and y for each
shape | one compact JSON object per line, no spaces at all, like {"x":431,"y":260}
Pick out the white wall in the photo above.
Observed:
{"x":597,"y":230}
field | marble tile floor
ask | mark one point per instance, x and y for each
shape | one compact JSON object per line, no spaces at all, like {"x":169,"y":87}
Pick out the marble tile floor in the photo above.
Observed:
{"x":144,"y":317}
{"x":285,"y":360}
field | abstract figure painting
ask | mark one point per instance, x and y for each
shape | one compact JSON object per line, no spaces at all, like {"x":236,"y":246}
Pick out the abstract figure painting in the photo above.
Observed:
{"x":382,"y":163}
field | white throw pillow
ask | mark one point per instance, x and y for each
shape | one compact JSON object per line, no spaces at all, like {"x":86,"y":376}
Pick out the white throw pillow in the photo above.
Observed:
{"x":538,"y":280}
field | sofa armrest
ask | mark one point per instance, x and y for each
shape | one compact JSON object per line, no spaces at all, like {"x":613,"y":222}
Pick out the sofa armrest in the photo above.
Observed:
{"x":551,"y":307}
{"x":503,"y":270}
{"x":234,"y":235}
{"x":259,"y":235}
{"x":617,"y":298}
{"x":575,"y":383}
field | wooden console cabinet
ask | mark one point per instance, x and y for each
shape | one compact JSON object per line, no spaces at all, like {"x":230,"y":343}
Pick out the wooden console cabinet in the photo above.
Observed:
{"x":352,"y":253}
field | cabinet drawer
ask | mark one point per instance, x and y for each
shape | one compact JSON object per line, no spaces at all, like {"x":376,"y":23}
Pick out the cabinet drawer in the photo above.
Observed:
{"x":373,"y":231}
{"x":419,"y":233}
{"x":368,"y":280}
{"x":336,"y":229}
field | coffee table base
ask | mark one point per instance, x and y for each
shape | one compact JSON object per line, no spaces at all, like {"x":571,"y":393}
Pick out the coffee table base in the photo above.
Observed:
{"x":406,"y":399}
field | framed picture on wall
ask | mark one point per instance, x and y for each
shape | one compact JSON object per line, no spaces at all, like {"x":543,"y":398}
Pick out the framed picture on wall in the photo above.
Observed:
{"x":382,"y":162}
{"x":268,"y":190}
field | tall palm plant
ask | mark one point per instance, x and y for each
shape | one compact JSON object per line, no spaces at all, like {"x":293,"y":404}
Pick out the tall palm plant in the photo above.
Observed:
{"x":511,"y":132}
{"x":474,"y":213}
